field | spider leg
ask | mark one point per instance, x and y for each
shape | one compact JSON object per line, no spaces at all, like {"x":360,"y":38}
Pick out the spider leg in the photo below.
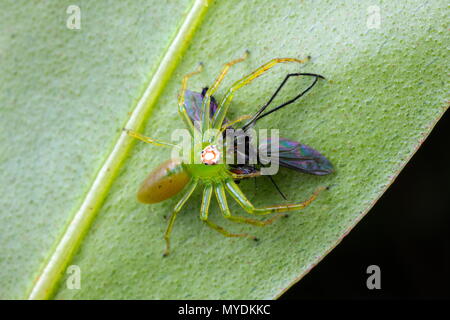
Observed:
{"x":181,"y":107}
{"x":189,"y":190}
{"x":206,"y":200}
{"x":240,"y":198}
{"x":222,"y":109}
{"x":229,"y":125}
{"x":222,"y":199}
{"x":206,"y":122}
{"x":141,"y":137}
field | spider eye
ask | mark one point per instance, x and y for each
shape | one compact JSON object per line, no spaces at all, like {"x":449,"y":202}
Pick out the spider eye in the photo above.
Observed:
{"x":210,"y":155}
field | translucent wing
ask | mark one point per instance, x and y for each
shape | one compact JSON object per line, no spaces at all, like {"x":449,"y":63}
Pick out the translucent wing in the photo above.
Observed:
{"x":193,"y":102}
{"x":297,"y":156}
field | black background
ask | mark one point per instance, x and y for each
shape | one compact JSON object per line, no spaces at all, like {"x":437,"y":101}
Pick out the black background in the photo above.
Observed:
{"x":407,"y":234}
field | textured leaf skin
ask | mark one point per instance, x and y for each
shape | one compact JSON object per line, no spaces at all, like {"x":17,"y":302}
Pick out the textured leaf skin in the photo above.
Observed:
{"x":65,"y":97}
{"x":368,"y":118}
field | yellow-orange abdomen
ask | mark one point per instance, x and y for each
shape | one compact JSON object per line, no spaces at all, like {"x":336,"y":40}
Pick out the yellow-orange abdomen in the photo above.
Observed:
{"x":164,"y":182}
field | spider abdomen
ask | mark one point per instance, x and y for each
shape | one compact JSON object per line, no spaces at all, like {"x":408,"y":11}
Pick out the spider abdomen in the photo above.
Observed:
{"x":164,"y":182}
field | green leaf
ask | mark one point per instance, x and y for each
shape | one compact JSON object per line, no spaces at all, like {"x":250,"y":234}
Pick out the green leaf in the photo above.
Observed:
{"x":69,"y":177}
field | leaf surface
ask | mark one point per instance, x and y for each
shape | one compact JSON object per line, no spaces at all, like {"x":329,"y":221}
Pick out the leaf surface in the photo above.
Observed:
{"x":68,"y":93}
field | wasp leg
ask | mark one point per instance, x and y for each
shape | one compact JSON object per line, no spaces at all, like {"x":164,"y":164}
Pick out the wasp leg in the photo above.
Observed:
{"x":240,"y":198}
{"x":181,"y":107}
{"x":222,"y":109}
{"x":207,"y":98}
{"x":222,"y":199}
{"x":206,"y":200}
{"x":238,"y":176}
{"x":189,"y":190}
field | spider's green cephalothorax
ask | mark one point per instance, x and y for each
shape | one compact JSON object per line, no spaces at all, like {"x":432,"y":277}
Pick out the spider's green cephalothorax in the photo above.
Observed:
{"x":206,"y":167}
{"x":208,"y":173}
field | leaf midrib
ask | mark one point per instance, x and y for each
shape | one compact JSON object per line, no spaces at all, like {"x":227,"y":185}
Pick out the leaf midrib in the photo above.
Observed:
{"x":67,"y":244}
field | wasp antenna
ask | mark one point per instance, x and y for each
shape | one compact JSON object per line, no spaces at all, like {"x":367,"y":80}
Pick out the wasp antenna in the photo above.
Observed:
{"x":260,"y":113}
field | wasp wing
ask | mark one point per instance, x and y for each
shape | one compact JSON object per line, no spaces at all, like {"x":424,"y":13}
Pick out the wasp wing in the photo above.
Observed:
{"x":193,"y":103}
{"x":297,"y":156}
